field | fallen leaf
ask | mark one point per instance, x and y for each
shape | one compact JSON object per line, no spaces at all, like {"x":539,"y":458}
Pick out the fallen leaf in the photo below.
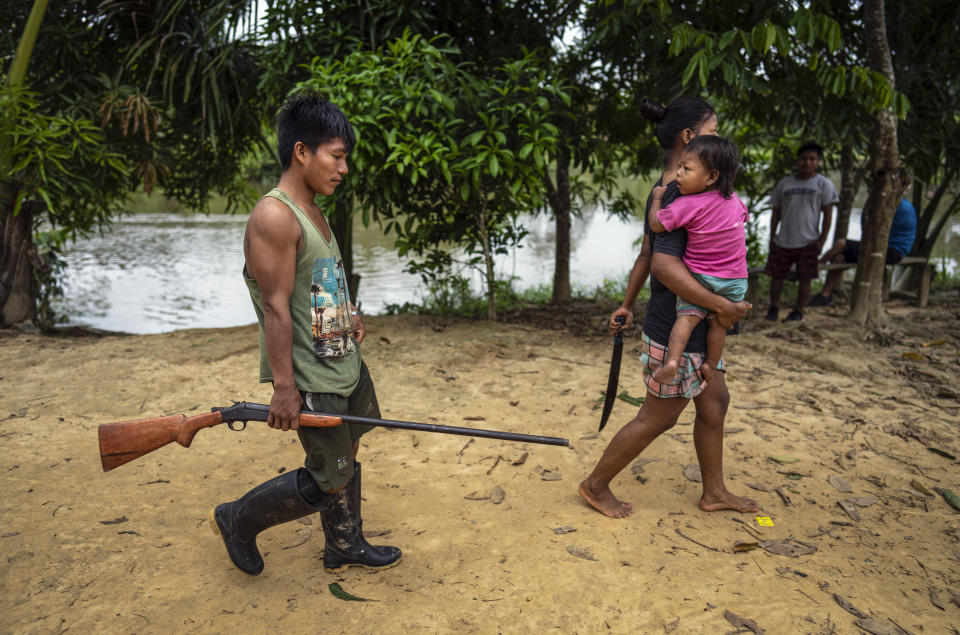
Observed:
{"x":943,"y":454}
{"x":840,"y":484}
{"x":742,"y":622}
{"x":497,"y":495}
{"x":863,"y":501}
{"x":303,"y":535}
{"x":805,"y":398}
{"x":790,"y":547}
{"x":850,"y":509}
{"x":783,"y":459}
{"x":338,"y":592}
{"x":760,"y":487}
{"x":580,"y":552}
{"x":633,"y":401}
{"x":375,"y":533}
{"x":115,"y":521}
{"x":566,"y":529}
{"x":933,"y":343}
{"x":783,"y":496}
{"x":949,"y":496}
{"x":474,"y":418}
{"x":850,"y":608}
{"x":521,"y":460}
{"x":920,"y":487}
{"x":472,"y":496}
{"x":384,"y":339}
{"x":876,"y":627}
{"x":637,"y":468}
{"x":550,"y":476}
{"x":742,"y":545}
{"x":692,"y":472}
{"x":935,"y":599}
{"x":514,"y":403}
{"x":914,"y":356}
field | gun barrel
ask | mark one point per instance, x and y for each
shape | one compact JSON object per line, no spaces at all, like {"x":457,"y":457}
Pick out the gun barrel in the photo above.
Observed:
{"x":258,"y":412}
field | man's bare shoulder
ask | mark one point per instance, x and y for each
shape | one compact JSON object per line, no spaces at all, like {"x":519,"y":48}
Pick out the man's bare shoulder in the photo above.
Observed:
{"x":273,"y":217}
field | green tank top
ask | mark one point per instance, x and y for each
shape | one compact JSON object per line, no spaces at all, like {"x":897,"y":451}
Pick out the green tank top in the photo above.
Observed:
{"x":325,"y":356}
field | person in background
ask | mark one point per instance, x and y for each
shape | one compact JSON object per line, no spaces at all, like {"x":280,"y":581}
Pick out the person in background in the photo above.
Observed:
{"x":802,"y":211}
{"x":903,"y":231}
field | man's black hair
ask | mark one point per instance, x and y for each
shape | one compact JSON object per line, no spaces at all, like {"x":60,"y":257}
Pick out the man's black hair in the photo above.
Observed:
{"x":312,"y":120}
{"x":811,"y":145}
{"x":717,"y":153}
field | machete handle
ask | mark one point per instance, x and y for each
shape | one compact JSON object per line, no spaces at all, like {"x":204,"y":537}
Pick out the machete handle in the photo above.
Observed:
{"x":620,"y":319}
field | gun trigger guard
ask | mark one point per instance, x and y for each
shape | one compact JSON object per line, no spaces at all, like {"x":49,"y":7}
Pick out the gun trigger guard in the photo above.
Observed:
{"x":233,"y":425}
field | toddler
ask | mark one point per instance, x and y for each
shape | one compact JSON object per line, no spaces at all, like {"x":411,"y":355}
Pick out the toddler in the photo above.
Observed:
{"x":716,"y":252}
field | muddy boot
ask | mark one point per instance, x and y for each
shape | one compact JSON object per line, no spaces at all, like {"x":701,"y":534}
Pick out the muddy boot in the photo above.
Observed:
{"x":343,"y":528}
{"x":282,"y":499}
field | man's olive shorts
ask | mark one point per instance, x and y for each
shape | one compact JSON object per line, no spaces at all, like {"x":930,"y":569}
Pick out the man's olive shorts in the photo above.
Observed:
{"x":330,"y":450}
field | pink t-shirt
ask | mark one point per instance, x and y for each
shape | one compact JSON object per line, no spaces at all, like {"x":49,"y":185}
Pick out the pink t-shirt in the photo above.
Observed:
{"x":716,"y":240}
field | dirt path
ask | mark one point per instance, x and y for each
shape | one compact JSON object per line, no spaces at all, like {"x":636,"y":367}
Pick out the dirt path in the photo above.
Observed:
{"x":128,"y":551}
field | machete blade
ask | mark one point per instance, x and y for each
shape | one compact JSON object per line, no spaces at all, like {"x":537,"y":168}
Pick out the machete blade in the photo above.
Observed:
{"x":613,"y":380}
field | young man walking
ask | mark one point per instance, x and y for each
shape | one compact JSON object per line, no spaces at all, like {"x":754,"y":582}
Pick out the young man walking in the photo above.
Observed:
{"x":802,"y":211}
{"x":310,"y":334}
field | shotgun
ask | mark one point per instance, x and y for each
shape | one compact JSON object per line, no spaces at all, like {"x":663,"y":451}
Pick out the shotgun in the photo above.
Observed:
{"x":124,"y":441}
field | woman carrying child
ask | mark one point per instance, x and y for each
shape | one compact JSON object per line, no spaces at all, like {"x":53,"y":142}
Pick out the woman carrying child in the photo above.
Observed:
{"x":660,"y":258}
{"x":716,"y":252}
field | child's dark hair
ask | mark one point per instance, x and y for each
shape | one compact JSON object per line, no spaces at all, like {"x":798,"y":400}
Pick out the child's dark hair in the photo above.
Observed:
{"x":311,"y":119}
{"x":717,"y":153}
{"x":677,"y":116}
{"x":811,"y":145}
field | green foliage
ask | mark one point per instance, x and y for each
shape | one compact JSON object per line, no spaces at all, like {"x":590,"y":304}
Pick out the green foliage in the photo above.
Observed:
{"x":444,"y":156}
{"x":61,"y":160}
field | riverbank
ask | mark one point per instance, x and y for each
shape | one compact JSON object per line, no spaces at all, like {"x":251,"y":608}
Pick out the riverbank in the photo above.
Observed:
{"x":815,"y":412}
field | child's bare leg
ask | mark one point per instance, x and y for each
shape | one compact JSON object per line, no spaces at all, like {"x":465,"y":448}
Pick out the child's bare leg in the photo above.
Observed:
{"x":656,"y":416}
{"x":708,"y":439}
{"x":716,"y":339}
{"x":679,"y":336}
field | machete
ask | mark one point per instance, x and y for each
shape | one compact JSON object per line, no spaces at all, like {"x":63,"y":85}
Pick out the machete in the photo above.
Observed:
{"x":611,"y":394}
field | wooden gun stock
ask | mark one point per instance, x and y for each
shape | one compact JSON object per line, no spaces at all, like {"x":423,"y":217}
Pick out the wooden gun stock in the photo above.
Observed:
{"x":124,"y":441}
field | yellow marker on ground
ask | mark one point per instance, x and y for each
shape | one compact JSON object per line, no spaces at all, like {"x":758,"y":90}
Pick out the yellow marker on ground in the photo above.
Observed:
{"x":764,"y":521}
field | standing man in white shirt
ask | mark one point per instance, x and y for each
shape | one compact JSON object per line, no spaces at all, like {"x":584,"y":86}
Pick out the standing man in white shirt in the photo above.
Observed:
{"x":802,"y":211}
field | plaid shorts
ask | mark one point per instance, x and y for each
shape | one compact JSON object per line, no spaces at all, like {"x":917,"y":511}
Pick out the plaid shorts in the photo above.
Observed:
{"x":781,"y":259}
{"x":687,"y":383}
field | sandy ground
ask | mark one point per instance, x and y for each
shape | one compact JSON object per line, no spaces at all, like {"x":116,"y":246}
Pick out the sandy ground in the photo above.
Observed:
{"x":130,"y":551}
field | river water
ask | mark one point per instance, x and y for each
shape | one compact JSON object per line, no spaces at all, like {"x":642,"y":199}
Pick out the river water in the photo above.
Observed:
{"x":157,"y":272}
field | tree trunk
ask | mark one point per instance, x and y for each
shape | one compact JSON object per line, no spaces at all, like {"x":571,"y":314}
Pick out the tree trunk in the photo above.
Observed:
{"x":342,"y":227}
{"x":481,"y":219}
{"x":18,"y":297}
{"x":18,"y":293}
{"x":559,"y":199}
{"x":886,"y":185}
{"x":849,"y":184}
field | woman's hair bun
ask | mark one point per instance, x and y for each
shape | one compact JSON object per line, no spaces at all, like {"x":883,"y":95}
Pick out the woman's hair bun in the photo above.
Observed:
{"x":652,"y":111}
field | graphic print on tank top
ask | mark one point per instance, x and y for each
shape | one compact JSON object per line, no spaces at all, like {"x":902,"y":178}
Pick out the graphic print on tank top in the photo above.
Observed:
{"x":330,"y":303}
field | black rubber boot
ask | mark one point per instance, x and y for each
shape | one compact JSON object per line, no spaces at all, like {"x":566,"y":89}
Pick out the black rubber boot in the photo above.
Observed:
{"x":277,"y":501}
{"x":343,"y":528}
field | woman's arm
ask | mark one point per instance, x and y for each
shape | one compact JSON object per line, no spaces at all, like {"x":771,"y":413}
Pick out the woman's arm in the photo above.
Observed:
{"x":671,"y":271}
{"x":638,"y":277}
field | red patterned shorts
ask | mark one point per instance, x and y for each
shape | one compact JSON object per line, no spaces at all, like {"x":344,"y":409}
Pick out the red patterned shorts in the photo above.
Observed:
{"x":687,"y":383}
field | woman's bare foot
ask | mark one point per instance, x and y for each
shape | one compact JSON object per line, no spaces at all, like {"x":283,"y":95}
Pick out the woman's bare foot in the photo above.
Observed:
{"x":667,"y":372}
{"x":726,"y":500}
{"x":604,"y":501}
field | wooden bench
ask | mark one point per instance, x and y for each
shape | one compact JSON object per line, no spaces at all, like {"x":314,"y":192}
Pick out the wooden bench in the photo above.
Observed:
{"x":923,"y":291}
